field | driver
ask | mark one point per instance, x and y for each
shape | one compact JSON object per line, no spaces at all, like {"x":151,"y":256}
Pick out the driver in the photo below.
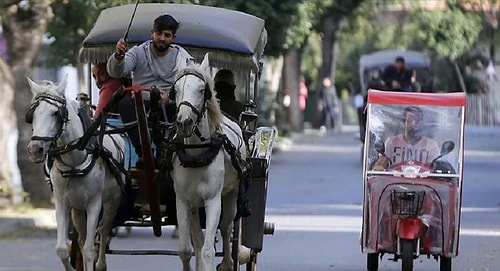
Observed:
{"x":410,"y":145}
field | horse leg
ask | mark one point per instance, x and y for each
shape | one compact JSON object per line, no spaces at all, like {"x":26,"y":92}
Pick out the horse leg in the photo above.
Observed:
{"x":80,"y":224}
{"x":109,"y":211}
{"x":62,"y":219}
{"x":88,"y":250}
{"x":183,"y":220}
{"x":226,"y":227}
{"x":213,"y":210}
{"x":196,"y":236}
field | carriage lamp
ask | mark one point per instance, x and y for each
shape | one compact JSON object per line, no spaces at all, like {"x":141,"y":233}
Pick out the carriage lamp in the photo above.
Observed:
{"x":248,"y":121}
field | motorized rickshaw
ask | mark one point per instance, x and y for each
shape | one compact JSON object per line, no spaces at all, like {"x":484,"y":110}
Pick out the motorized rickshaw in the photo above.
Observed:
{"x":412,"y":206}
{"x":235,"y":41}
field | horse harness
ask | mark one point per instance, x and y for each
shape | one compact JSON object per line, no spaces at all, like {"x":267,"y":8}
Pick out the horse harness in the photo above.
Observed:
{"x":94,"y":150}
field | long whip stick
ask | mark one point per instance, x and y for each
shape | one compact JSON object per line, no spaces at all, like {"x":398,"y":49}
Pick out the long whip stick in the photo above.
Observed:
{"x":125,"y":37}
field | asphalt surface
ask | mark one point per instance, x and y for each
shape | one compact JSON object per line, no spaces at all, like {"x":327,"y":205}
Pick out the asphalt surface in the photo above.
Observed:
{"x":22,"y":223}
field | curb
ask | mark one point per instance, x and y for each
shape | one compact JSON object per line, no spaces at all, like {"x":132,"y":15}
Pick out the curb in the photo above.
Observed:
{"x":39,"y":218}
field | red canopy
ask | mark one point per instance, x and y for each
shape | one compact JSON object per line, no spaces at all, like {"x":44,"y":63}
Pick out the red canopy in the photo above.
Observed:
{"x":439,"y":99}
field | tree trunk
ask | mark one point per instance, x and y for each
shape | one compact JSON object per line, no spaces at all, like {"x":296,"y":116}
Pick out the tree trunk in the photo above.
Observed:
{"x":24,"y":26}
{"x":10,"y":187}
{"x":291,"y":67}
{"x":459,"y":76}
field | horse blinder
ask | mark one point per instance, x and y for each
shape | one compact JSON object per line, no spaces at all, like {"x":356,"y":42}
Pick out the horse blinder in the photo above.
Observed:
{"x":28,"y":117}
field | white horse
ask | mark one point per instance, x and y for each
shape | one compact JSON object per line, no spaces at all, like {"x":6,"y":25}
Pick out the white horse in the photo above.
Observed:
{"x":213,"y":186}
{"x":84,"y":194}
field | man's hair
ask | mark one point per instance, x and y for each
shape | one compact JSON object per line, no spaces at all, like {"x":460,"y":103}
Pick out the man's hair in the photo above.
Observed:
{"x":400,"y":59}
{"x":166,"y":22}
{"x":224,"y":76}
{"x":413,"y":109}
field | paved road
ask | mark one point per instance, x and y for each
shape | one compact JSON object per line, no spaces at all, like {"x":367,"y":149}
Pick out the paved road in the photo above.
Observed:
{"x":314,"y":199}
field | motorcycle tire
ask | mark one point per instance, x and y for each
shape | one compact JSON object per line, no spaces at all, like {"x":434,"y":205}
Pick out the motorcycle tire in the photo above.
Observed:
{"x":407,"y":250}
{"x":372,"y":261}
{"x":444,"y":263}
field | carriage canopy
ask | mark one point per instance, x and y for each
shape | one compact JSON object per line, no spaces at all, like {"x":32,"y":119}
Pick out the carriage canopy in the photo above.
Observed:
{"x":235,"y":40}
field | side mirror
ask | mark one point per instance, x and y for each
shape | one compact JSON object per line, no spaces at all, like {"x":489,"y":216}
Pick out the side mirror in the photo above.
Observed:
{"x":447,"y":147}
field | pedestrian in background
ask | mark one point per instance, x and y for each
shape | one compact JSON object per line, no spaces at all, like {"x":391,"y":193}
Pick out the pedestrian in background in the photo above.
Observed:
{"x":328,"y":104}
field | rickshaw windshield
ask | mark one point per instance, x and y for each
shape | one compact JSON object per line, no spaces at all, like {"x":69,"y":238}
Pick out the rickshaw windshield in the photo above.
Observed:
{"x":424,"y":133}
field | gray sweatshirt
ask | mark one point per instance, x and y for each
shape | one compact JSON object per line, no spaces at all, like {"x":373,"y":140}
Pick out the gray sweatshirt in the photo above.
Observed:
{"x":147,"y":69}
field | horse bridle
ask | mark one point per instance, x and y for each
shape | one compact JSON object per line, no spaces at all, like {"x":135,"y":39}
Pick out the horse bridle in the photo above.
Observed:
{"x":62,"y":113}
{"x":207,"y":93}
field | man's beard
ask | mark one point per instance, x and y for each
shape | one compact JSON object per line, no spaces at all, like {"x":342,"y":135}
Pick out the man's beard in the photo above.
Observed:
{"x":160,"y":48}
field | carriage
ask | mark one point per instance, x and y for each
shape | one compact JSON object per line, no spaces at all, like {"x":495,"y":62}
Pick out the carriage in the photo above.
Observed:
{"x":223,"y":39}
{"x":411,"y":206}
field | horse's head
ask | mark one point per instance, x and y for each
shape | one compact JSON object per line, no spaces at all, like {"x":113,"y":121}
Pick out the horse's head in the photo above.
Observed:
{"x":47,"y":115}
{"x":192,"y":92}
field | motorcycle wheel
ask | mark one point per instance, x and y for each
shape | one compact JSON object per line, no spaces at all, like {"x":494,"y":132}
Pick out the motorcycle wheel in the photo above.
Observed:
{"x":444,"y":263}
{"x":372,"y":261}
{"x":407,"y":249}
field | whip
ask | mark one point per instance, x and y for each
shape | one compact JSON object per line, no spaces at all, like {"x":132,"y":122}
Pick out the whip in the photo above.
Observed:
{"x":125,"y":37}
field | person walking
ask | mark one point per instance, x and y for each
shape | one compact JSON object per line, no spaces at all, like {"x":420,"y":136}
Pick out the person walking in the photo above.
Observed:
{"x":329,"y":104}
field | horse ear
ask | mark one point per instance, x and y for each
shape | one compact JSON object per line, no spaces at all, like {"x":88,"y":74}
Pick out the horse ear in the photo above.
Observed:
{"x":62,"y":86}
{"x":35,"y":89}
{"x":205,"y":64}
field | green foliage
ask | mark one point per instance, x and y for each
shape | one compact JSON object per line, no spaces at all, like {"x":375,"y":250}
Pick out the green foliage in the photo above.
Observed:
{"x":449,"y":33}
{"x":287,"y":23}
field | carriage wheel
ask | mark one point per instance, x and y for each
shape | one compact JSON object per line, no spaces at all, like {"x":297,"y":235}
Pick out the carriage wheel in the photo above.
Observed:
{"x":252,"y":265}
{"x":372,"y":261}
{"x":407,"y":249}
{"x":444,"y":263}
{"x":235,"y":248}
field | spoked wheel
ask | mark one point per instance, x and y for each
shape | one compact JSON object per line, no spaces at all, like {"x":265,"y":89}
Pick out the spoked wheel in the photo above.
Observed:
{"x":444,"y":263}
{"x":236,"y":250}
{"x":252,"y":265}
{"x":407,"y":249}
{"x":372,"y":261}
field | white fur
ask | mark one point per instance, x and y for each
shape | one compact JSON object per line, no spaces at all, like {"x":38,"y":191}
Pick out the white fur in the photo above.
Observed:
{"x":83,"y":197}
{"x":206,"y":186}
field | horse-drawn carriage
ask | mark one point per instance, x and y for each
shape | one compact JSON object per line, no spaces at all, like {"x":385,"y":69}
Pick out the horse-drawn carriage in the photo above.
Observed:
{"x":223,"y":39}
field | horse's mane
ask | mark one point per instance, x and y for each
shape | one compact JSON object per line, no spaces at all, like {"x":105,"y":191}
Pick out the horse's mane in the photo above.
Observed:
{"x":213,"y":110}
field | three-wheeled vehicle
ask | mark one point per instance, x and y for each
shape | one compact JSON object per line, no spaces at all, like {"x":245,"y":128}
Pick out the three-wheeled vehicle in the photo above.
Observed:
{"x":235,"y":41}
{"x":411,"y":205}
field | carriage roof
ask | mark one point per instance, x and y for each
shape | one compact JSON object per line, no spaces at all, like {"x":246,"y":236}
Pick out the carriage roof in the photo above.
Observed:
{"x":235,"y":40}
{"x":382,"y":59}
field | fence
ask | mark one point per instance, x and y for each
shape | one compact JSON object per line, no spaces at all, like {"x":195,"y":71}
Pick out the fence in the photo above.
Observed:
{"x":483,"y":110}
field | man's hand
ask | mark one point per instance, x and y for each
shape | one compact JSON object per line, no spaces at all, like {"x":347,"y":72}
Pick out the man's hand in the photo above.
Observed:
{"x":121,"y":48}
{"x":381,"y":163}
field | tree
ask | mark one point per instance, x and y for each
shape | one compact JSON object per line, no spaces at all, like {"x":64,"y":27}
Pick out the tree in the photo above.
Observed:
{"x":448,"y":34}
{"x":24,"y":23}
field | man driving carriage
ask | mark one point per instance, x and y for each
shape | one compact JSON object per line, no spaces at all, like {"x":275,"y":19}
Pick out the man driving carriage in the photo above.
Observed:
{"x":152,"y":63}
{"x":409,"y":145}
{"x":398,"y":76}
